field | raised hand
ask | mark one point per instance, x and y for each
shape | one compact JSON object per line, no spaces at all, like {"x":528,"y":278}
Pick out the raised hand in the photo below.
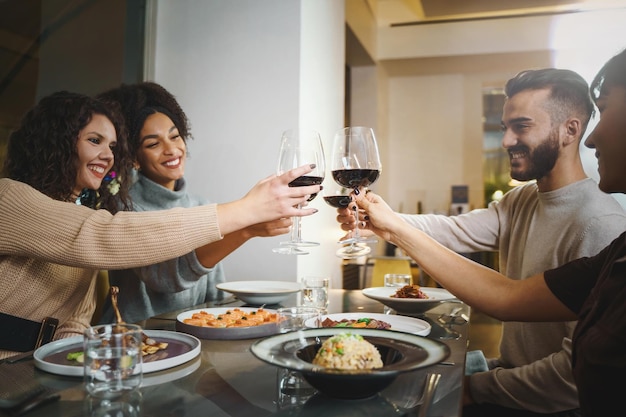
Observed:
{"x":378,"y":217}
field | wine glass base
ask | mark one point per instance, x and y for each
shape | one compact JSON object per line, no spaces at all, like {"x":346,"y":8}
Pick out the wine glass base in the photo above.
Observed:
{"x":290,"y":250}
{"x":353,"y":251}
{"x":299,"y":244}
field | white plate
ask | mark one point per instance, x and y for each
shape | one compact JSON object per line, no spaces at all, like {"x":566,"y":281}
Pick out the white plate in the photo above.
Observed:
{"x":398,"y":323}
{"x":260,"y":292}
{"x":409,"y":305}
{"x":250,"y":332}
{"x":181,"y":348}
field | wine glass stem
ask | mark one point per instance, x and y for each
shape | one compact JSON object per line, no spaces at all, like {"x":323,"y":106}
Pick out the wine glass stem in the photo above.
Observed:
{"x":296,"y":230}
{"x":356,"y":216}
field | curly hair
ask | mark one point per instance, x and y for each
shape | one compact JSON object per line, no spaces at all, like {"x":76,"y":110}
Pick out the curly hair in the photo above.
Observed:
{"x":140,"y":100}
{"x":42,"y":151}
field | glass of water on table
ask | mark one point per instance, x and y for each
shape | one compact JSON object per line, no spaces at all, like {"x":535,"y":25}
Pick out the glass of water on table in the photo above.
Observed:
{"x":396,"y":281}
{"x":314,"y":292}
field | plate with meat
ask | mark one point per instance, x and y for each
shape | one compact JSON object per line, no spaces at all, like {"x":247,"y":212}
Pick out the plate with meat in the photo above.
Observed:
{"x":374,"y":321}
{"x":405,"y":300}
{"x":62,"y":357}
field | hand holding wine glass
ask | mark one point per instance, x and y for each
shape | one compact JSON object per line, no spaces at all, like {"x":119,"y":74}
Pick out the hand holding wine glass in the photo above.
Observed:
{"x":300,"y":147}
{"x":355,"y":164}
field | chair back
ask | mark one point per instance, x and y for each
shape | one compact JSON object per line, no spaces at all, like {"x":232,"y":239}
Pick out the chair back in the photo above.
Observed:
{"x":388,"y":265}
{"x":102,"y":294}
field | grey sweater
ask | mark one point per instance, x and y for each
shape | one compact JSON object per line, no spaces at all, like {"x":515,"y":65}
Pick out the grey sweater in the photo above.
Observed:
{"x":532,"y":232}
{"x":175,"y":284}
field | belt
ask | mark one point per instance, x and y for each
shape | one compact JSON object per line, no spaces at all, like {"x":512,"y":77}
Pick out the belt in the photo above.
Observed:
{"x":22,"y":335}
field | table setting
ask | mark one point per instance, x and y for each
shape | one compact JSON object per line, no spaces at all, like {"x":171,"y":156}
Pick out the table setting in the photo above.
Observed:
{"x":252,"y":369}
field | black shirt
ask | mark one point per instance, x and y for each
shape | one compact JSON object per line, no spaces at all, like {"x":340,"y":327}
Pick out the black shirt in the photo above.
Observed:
{"x":595,"y":289}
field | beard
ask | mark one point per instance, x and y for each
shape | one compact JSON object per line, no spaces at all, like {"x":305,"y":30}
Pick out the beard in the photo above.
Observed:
{"x":541,"y":160}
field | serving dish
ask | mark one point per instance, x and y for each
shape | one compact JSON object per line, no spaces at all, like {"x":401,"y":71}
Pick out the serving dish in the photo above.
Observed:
{"x":225,"y":333}
{"x":409,"y":305}
{"x":260,"y":292}
{"x":401,"y":352}
{"x":181,"y":348}
{"x":398,"y":323}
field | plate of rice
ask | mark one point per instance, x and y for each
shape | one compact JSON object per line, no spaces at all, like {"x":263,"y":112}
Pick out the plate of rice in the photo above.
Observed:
{"x":350,"y":363}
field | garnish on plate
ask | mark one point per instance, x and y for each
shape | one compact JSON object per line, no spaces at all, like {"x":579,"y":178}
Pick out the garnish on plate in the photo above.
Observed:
{"x":76,"y":356}
{"x":364,"y":322}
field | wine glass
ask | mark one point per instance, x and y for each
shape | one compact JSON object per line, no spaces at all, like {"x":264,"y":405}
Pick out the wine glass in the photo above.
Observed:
{"x":338,"y":196}
{"x":300,"y":147}
{"x":355,"y":164}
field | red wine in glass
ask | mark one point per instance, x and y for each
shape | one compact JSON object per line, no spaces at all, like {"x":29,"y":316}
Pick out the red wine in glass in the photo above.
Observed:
{"x":355,"y":178}
{"x":305,"y":180}
{"x":355,"y":165}
{"x":337,"y":201}
{"x":300,"y":147}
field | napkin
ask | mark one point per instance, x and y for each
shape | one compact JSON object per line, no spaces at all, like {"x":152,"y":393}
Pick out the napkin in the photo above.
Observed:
{"x":475,"y":361}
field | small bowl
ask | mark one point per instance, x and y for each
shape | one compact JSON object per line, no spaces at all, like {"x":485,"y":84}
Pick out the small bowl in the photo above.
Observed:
{"x":400,"y":352}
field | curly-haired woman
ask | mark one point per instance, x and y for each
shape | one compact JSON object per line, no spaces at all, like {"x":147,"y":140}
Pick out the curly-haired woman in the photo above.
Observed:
{"x":52,"y":245}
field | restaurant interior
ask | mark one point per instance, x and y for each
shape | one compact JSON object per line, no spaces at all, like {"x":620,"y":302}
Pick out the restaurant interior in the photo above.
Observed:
{"x":426,"y":75}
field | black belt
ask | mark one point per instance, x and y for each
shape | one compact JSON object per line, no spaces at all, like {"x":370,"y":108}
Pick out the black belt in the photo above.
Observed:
{"x":21,"y":335}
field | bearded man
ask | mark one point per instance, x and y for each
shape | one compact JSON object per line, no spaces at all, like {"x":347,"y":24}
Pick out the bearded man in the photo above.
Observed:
{"x":560,"y":216}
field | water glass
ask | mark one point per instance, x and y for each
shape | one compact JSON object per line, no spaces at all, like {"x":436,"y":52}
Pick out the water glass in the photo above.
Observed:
{"x":397,"y":281}
{"x":297,"y":318}
{"x":292,"y":389}
{"x":113,"y":359}
{"x":126,"y":405}
{"x":314,"y":292}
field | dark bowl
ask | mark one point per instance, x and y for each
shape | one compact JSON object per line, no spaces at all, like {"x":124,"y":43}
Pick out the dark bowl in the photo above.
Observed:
{"x":400,"y":352}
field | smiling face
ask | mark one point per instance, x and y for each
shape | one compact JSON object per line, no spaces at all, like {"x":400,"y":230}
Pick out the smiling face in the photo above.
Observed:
{"x":609,"y":139}
{"x":95,"y":156}
{"x":162,"y":151}
{"x":529,"y":137}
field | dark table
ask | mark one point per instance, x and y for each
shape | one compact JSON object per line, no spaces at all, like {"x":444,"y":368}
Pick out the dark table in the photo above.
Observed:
{"x":227,"y":380}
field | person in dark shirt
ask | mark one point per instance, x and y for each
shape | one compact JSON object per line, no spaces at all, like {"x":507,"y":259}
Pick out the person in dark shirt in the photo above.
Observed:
{"x":591,"y":290}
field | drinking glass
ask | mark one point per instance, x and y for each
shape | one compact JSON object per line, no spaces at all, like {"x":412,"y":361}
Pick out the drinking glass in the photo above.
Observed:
{"x":396,"y":281}
{"x":314,"y":292}
{"x":337,"y":196}
{"x":300,"y":147}
{"x":295,"y":318}
{"x":355,"y":164}
{"x":113,"y":359}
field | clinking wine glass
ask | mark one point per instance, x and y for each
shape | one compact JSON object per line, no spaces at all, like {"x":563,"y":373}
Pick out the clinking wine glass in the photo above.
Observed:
{"x":300,"y":147}
{"x":339,"y":197}
{"x":355,"y":165}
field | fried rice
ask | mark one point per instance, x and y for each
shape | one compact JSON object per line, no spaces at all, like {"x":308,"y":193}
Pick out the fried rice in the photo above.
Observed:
{"x":348,"y":351}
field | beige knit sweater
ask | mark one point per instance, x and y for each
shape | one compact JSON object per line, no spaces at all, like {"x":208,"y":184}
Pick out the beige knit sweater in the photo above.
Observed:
{"x":50,"y":251}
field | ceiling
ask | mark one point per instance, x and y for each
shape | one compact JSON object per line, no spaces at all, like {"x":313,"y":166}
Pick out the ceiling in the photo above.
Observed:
{"x":415,"y":12}
{"x":20,"y":33}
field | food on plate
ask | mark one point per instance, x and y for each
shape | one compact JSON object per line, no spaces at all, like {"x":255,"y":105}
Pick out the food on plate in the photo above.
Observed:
{"x":233,"y":318}
{"x":76,"y":356}
{"x":149,"y":346}
{"x":409,"y":291}
{"x":348,"y":351}
{"x":365,"y":322}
